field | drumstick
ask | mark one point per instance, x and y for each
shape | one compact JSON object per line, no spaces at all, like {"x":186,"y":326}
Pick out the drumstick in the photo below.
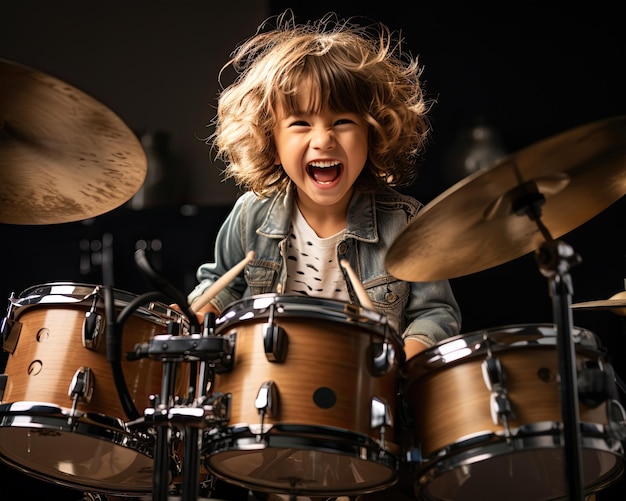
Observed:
{"x":221,"y":282}
{"x":364,"y":299}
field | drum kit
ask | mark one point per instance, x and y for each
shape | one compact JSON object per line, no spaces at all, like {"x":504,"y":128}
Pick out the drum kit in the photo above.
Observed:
{"x":122,"y":395}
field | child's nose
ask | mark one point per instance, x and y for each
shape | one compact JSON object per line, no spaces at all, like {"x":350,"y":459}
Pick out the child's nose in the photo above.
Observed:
{"x":323,"y":138}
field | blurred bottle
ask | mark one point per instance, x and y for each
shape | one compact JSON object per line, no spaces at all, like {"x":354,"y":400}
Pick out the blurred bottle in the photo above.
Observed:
{"x":476,"y":147}
{"x":162,"y":186}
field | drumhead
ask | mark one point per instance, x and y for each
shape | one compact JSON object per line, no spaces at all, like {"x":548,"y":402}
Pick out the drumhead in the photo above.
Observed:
{"x":38,"y":439}
{"x":465,"y":346}
{"x":530,"y":467}
{"x":67,"y":293}
{"x":261,"y":306}
{"x":302,"y":460}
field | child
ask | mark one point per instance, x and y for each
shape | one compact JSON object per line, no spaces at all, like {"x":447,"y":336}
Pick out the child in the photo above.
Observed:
{"x":323,"y":120}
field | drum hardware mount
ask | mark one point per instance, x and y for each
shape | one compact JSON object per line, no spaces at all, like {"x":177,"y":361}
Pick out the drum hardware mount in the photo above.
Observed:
{"x":194,"y":347}
{"x":495,"y":377}
{"x":275,"y":340}
{"x":596,"y":383}
{"x":171,"y":350}
{"x":267,"y":402}
{"x":381,"y":356}
{"x":197,"y":415}
{"x":81,"y":388}
{"x":92,"y":326}
{"x":10,"y":328}
{"x":216,"y":355}
{"x":166,"y":288}
{"x":380,"y":418}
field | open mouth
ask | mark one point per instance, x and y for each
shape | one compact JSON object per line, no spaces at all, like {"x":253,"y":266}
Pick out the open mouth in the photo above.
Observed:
{"x":324,"y":172}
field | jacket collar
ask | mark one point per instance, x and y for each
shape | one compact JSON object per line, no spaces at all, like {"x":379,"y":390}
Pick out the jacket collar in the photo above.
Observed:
{"x":361,"y":221}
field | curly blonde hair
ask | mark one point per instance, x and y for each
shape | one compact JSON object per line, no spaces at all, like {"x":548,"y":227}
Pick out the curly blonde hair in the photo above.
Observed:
{"x":360,"y":69}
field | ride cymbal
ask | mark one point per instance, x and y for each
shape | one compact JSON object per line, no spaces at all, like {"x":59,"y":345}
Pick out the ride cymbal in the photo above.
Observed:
{"x":64,"y":156}
{"x":482,"y":221}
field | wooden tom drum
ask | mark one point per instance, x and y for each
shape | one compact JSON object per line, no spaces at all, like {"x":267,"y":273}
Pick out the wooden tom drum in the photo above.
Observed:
{"x":312,"y":398}
{"x":487,"y":416}
{"x":60,"y":415}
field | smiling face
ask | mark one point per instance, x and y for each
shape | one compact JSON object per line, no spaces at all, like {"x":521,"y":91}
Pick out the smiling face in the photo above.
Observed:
{"x":322,"y":152}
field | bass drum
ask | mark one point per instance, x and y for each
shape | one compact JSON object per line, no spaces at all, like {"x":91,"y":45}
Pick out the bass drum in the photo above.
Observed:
{"x":487,"y":416}
{"x":310,"y":398}
{"x":61,"y":418}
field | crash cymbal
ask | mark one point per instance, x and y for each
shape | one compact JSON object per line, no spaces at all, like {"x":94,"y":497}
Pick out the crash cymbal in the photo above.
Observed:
{"x":615,"y":304}
{"x":63,"y":155}
{"x":480,"y":222}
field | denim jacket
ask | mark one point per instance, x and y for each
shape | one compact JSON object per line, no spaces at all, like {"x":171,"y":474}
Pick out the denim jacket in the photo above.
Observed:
{"x":426,"y":311}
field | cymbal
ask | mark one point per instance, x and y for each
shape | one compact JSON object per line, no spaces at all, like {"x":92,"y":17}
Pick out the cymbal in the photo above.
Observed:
{"x":64,"y":156}
{"x":615,"y":304}
{"x":479,"y":222}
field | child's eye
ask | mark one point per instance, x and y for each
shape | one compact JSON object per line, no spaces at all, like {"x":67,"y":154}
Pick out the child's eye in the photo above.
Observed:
{"x":344,"y":121}
{"x":298,"y":123}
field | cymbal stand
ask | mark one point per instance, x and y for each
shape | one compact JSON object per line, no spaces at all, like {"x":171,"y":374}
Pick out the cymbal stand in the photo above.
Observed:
{"x":555,"y":258}
{"x":171,"y":350}
{"x":158,"y":414}
{"x":192,"y":436}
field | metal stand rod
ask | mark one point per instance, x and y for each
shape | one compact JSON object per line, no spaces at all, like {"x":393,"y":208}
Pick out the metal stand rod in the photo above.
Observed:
{"x":160,"y":474}
{"x":191,"y":464}
{"x":191,"y":449}
{"x":192,"y":438}
{"x":555,"y":258}
{"x":171,"y":350}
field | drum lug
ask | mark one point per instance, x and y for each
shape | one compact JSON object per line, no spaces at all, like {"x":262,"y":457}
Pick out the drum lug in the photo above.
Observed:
{"x":274,"y":339}
{"x":267,"y":399}
{"x":500,"y":404}
{"x":9,"y":330}
{"x":82,"y":385}
{"x":617,"y":420}
{"x":3,"y":384}
{"x":380,"y":415}
{"x":92,"y":328}
{"x":382,"y":357}
{"x":219,"y":405}
{"x":274,"y":342}
{"x":226,"y":363}
{"x":596,"y":383}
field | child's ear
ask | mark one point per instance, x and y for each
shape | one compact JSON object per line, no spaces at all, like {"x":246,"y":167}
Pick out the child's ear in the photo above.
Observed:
{"x":277,"y":160}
